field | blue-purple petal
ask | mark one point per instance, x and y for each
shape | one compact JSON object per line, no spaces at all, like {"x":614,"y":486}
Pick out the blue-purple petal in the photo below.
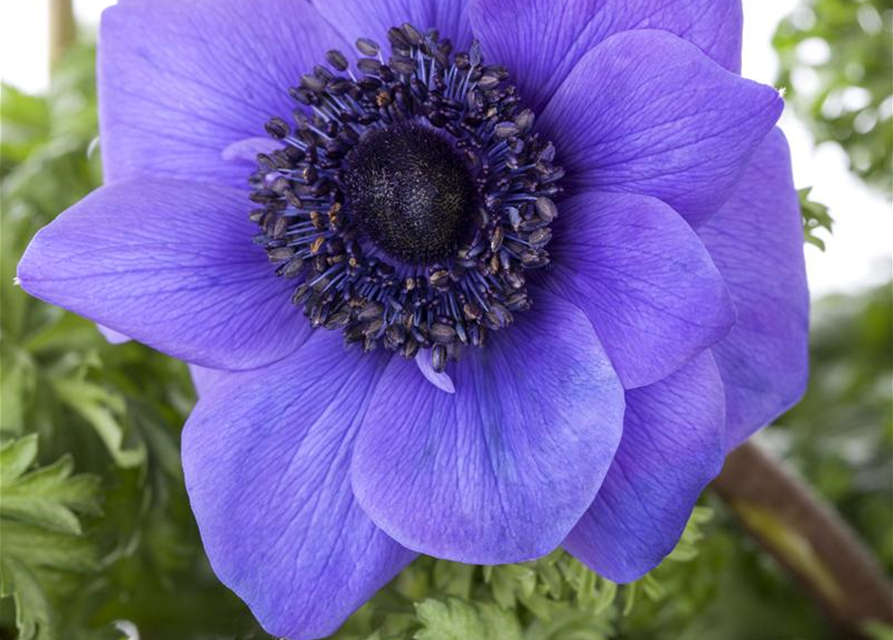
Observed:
{"x":266,"y":455}
{"x":181,"y":82}
{"x":672,"y":446}
{"x":756,"y":241}
{"x":647,"y":112}
{"x":362,"y":19}
{"x":204,"y":378}
{"x":500,"y":470}
{"x":541,"y":41}
{"x":644,"y":279}
{"x":114,"y":337}
{"x":170,"y":264}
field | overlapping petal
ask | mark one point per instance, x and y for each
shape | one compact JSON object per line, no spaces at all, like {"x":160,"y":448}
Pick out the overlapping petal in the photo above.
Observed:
{"x":361,"y":19}
{"x":204,"y":378}
{"x":541,"y":41}
{"x":170,"y":264}
{"x":672,"y":446}
{"x":266,"y":455}
{"x":756,"y":241}
{"x":645,"y":280}
{"x":112,"y":336}
{"x":647,"y":112}
{"x":180,"y":82}
{"x":500,"y":470}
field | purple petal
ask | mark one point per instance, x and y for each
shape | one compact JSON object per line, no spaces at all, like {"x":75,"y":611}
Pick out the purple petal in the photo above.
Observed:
{"x":440,"y":379}
{"x":757,"y":242}
{"x":180,"y":82}
{"x":248,"y":149}
{"x":644,"y":279}
{"x":647,"y":112}
{"x":204,"y":378}
{"x":170,"y":264}
{"x":266,"y":455}
{"x":500,"y":470}
{"x":541,"y":41}
{"x":114,"y":337}
{"x":672,"y":447}
{"x":362,"y":19}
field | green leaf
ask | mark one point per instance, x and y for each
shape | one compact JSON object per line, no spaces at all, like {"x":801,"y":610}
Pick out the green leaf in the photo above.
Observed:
{"x":104,"y":411}
{"x":574,"y":624}
{"x":815,"y":218}
{"x":25,"y":122}
{"x":33,"y":613}
{"x":687,"y":547}
{"x":42,"y":549}
{"x":15,"y":383}
{"x":49,"y":497}
{"x":453,"y":578}
{"x":15,"y":458}
{"x":605,"y":597}
{"x":455,"y":619}
{"x":40,"y":533}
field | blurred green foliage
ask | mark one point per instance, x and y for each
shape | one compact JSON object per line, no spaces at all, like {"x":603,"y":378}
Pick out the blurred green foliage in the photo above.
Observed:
{"x":129,"y":549}
{"x":851,"y":390}
{"x":837,"y":66}
{"x":816,"y":218}
{"x":95,"y":525}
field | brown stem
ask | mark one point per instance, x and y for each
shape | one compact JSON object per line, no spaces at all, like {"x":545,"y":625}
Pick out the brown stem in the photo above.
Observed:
{"x":808,"y":538}
{"x":62,"y":30}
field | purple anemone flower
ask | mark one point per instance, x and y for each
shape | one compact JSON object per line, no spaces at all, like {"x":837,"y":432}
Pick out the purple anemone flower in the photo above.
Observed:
{"x":559,"y":239}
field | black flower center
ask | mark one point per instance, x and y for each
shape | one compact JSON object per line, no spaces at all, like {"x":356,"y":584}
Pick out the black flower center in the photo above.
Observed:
{"x":410,"y":193}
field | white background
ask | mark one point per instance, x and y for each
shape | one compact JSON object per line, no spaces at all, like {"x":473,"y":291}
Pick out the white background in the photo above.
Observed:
{"x":858,"y":254}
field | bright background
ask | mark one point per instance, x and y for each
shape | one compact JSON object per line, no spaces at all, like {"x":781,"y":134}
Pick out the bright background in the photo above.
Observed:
{"x":858,"y":255}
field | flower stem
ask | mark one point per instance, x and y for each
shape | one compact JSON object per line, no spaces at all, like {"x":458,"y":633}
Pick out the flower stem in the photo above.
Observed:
{"x":808,"y":537}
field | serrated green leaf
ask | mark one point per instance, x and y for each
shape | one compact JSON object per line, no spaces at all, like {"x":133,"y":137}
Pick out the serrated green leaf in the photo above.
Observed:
{"x":816,"y":217}
{"x":574,"y":624}
{"x":550,"y":576}
{"x":50,"y":497}
{"x":15,"y":458}
{"x":104,"y":411}
{"x":499,"y":623}
{"x":630,"y":594}
{"x":652,"y":587}
{"x":586,"y":594}
{"x":605,"y":597}
{"x":40,"y":533}
{"x":453,"y":578}
{"x":512,"y":583}
{"x":45,"y":549}
{"x":33,"y":614}
{"x":17,"y":381}
{"x":455,"y":619}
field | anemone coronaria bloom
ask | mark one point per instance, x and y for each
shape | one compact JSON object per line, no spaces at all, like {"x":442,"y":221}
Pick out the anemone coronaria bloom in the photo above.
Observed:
{"x":559,"y":239}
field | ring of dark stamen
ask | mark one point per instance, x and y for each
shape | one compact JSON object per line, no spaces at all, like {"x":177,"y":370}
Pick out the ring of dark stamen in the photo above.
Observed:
{"x":457,"y":282}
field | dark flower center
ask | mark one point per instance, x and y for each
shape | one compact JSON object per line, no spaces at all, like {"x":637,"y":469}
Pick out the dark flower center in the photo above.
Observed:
{"x":409,"y":198}
{"x":410,"y":193}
